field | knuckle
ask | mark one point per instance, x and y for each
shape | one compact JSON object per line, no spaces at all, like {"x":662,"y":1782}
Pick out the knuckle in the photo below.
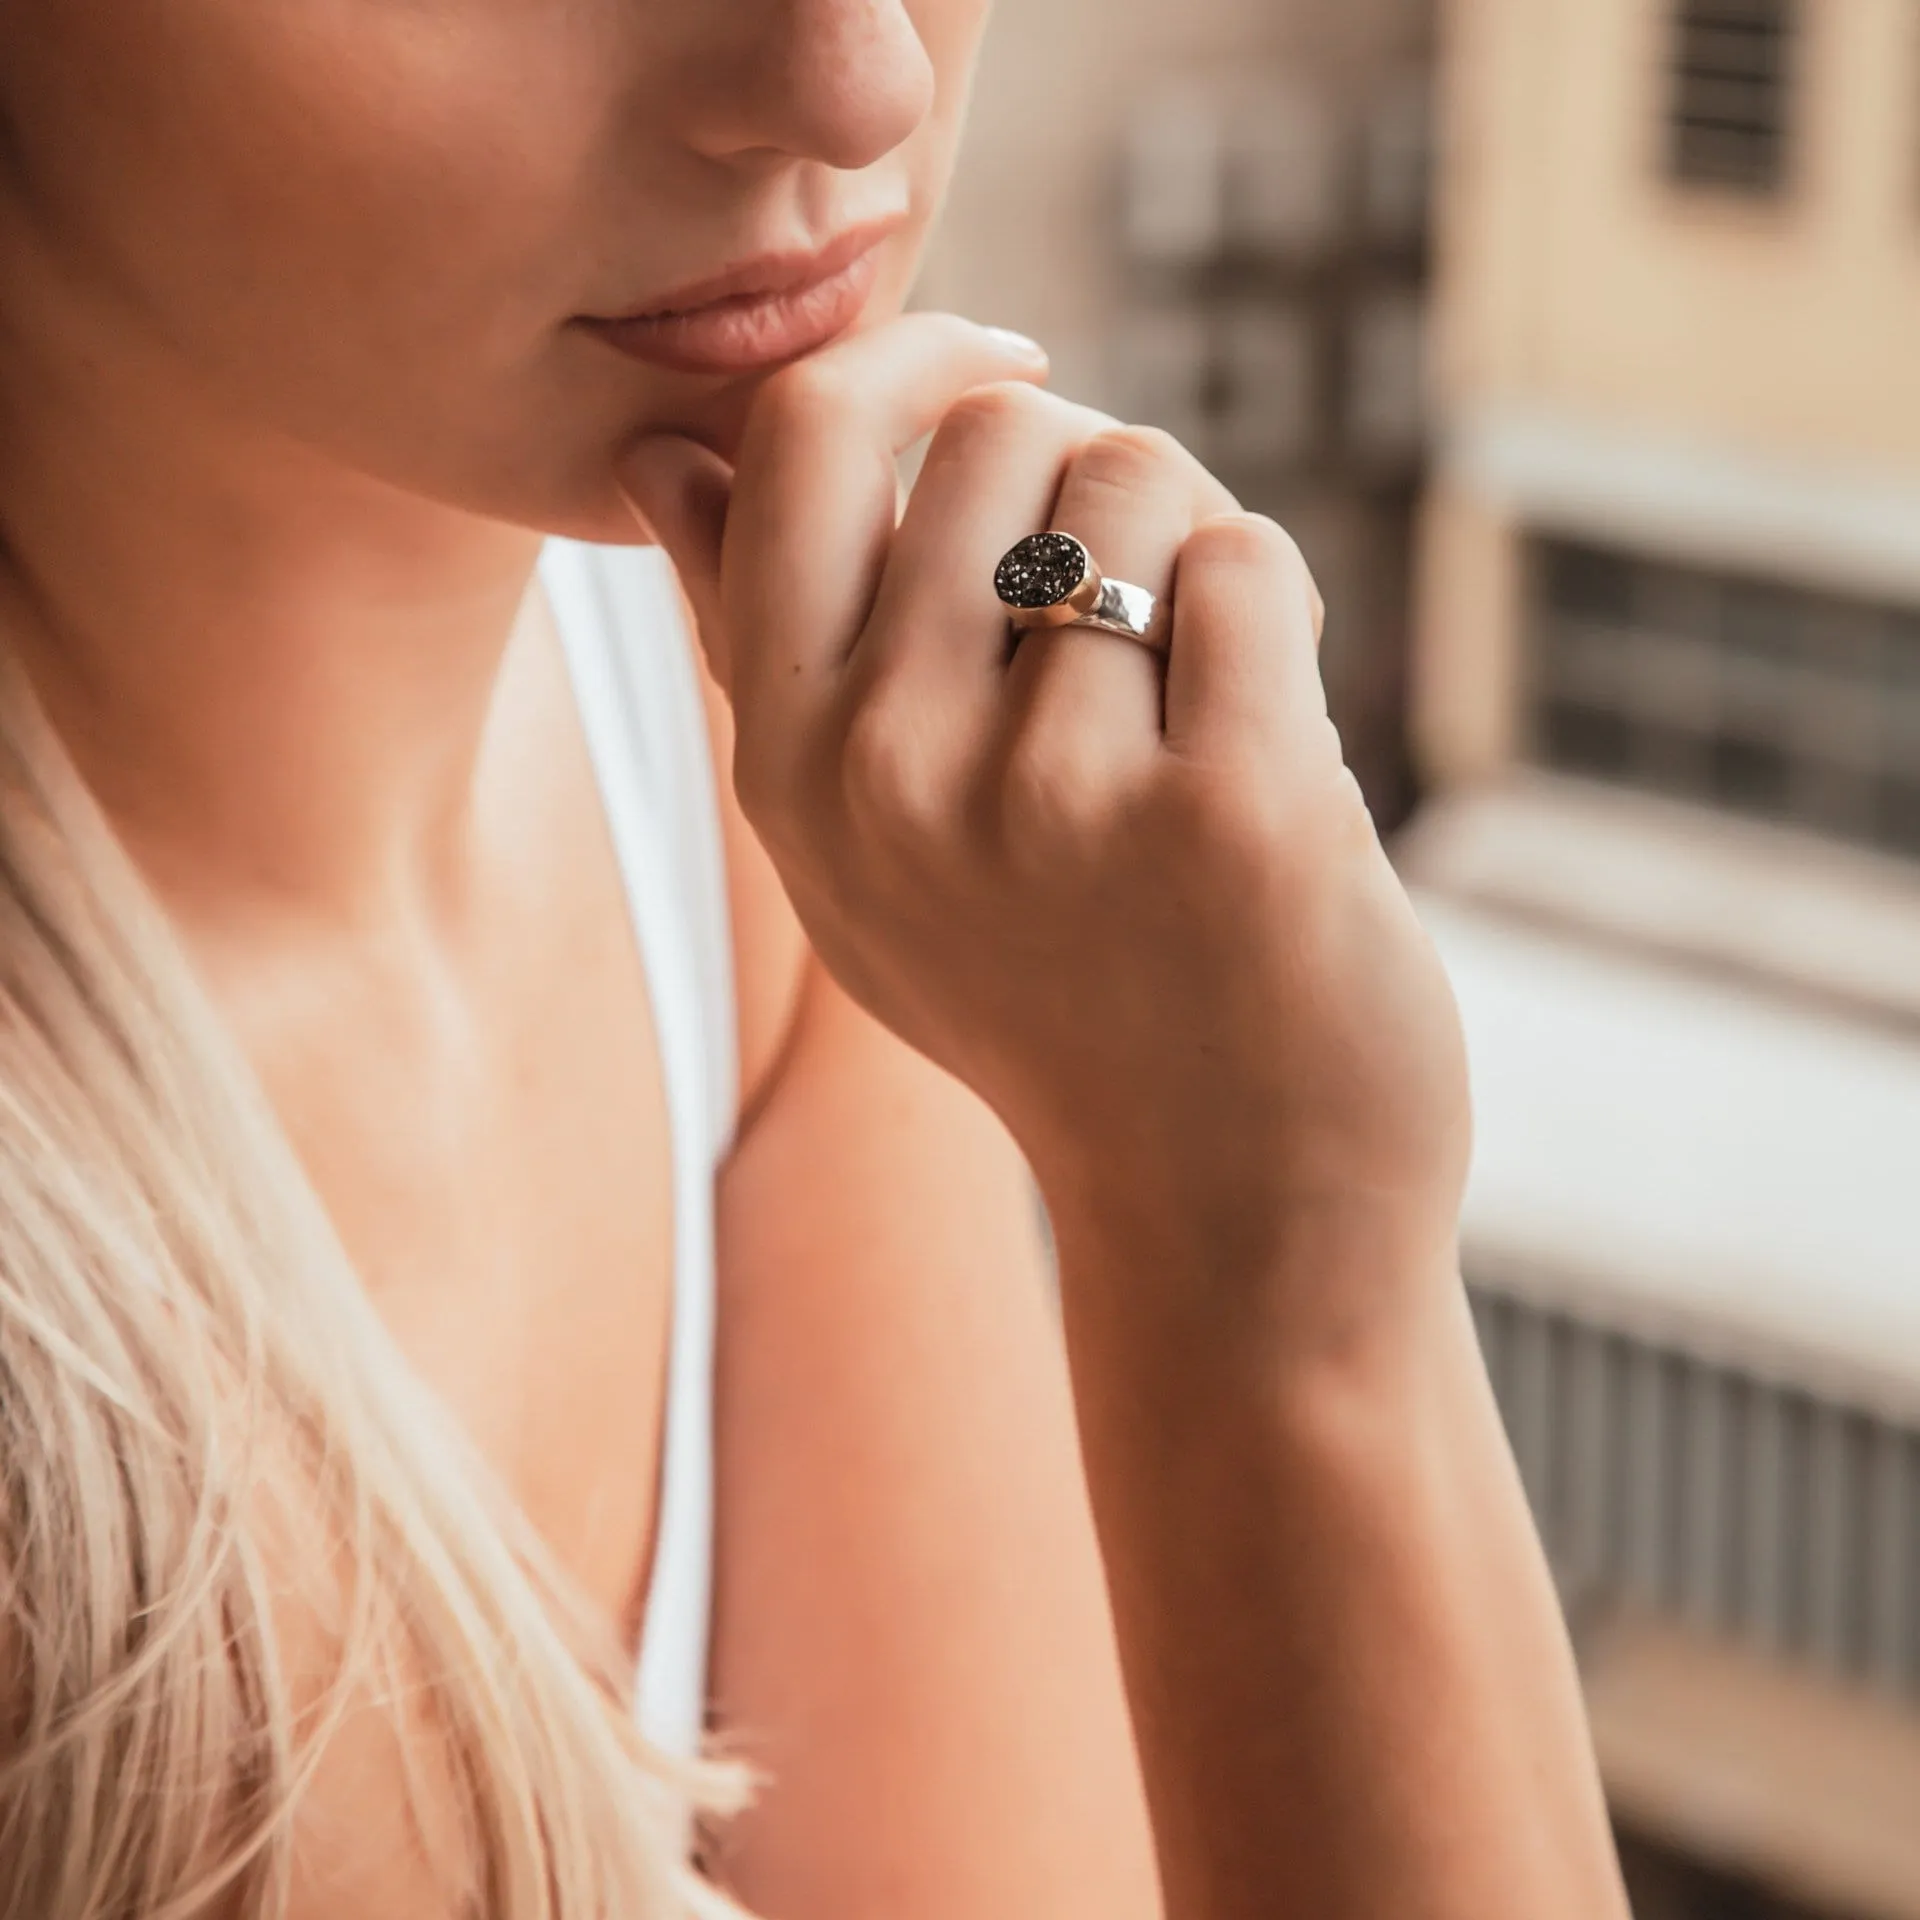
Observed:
{"x":1247,"y":540}
{"x":1260,"y":832}
{"x":1252,"y":543}
{"x":811,"y":389}
{"x":993,"y":408}
{"x":1050,"y":792}
{"x":1008,"y":413}
{"x":886,"y":774}
{"x":1122,"y":459}
{"x":1201,"y":814}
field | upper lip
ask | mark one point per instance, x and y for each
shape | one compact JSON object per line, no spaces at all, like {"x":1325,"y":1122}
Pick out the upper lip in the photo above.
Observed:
{"x":767,"y":274}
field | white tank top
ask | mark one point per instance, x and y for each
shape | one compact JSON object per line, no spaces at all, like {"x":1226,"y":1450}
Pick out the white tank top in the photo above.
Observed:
{"x":618,"y":615}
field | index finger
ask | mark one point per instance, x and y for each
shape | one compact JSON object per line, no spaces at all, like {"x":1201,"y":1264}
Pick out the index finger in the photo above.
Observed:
{"x":815,"y":507}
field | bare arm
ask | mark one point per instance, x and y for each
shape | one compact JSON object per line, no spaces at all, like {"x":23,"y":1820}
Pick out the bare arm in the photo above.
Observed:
{"x":1346,"y":1660}
{"x":1141,"y":910}
{"x":911,"y":1633}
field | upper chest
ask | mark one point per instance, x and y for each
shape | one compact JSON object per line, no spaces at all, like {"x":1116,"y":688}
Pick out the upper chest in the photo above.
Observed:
{"x":485,"y":1120}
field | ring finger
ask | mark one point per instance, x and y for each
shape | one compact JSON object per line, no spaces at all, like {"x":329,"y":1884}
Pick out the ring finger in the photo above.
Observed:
{"x":1131,"y":496}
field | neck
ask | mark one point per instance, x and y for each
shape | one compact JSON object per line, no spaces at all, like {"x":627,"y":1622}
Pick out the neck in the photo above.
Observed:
{"x":274,"y":674}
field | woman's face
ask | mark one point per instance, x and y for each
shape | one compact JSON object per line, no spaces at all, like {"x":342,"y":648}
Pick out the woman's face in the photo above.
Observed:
{"x":377,"y":229}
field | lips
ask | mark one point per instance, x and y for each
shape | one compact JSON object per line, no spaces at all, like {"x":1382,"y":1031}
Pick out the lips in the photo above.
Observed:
{"x":757,"y":314}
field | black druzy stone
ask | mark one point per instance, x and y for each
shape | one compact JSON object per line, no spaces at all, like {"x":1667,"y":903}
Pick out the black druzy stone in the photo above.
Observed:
{"x":1041,"y":571}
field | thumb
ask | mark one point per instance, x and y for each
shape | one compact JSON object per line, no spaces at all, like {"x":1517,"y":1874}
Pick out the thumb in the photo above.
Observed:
{"x":681,"y":491}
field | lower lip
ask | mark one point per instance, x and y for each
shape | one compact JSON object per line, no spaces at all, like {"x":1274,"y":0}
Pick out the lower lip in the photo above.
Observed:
{"x":747,"y":334}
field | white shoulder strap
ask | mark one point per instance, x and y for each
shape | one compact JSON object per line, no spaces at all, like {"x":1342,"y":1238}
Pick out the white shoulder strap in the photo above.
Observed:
{"x":619,"y":619}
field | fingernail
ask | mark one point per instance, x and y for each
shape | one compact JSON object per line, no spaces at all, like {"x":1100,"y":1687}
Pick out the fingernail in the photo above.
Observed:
{"x":1018,"y":344}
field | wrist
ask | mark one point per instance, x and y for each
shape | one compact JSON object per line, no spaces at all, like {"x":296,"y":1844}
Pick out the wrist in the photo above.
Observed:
{"x":1344,"y":1288}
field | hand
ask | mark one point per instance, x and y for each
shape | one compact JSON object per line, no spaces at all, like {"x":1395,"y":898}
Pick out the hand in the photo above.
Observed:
{"x":1142,"y":911}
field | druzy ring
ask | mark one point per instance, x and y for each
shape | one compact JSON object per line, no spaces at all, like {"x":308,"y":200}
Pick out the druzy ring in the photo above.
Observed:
{"x":1050,"y":580}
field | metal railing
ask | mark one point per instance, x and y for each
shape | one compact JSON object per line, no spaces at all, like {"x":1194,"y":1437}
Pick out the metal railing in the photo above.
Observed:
{"x":1751,"y":1508}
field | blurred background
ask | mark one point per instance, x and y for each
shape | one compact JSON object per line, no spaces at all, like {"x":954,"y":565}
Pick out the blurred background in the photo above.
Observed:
{"x":1579,"y":343}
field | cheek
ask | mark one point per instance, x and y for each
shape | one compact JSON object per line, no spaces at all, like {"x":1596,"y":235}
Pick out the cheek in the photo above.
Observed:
{"x":266,"y":183}
{"x":365,"y":221}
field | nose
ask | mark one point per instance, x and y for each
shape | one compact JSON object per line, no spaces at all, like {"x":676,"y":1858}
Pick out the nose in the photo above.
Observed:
{"x":840,"y":82}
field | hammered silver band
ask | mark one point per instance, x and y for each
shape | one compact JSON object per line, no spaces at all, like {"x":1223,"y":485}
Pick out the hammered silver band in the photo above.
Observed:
{"x":1051,"y":580}
{"x":1129,"y":611}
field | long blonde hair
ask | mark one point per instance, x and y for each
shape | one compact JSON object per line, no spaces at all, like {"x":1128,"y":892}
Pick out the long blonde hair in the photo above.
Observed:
{"x":201,"y":1414}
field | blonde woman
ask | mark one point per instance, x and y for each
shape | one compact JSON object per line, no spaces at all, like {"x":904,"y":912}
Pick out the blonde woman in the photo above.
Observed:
{"x":519,"y":1311}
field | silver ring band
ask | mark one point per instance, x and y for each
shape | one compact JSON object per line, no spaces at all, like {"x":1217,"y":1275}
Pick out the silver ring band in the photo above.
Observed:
{"x":1130,"y":611}
{"x":1051,"y":580}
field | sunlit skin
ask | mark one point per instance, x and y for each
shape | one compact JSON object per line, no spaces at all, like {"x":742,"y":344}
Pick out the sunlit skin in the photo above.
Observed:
{"x":297,"y":365}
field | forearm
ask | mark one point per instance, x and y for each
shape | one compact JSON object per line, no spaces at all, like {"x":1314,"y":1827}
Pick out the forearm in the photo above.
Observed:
{"x":1352,"y":1687}
{"x":1138,"y":905}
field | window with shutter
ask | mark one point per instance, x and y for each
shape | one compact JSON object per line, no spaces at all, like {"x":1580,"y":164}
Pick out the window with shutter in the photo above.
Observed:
{"x":1731,"y":93}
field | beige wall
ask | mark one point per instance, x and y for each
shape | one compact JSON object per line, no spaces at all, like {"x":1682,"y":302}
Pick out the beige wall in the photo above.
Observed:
{"x":1573,"y":273}
{"x":1575,"y":284}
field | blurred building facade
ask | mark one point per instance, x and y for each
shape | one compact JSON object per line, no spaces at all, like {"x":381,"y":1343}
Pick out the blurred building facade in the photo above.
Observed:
{"x":1666,"y":695}
{"x":1676,"y":348}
